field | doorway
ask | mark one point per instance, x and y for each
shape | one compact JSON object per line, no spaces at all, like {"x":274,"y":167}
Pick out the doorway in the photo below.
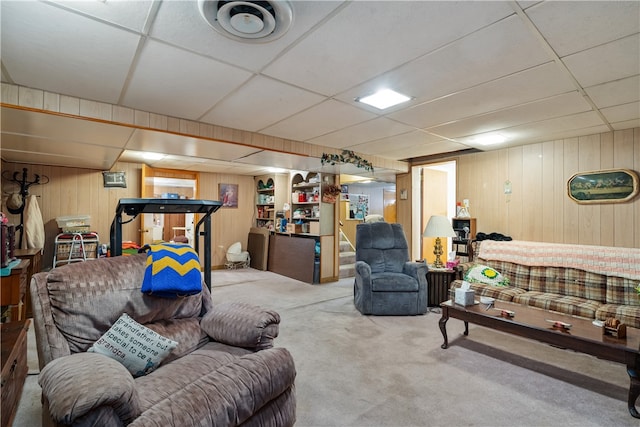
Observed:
{"x":436,"y":187}
{"x":168,"y":184}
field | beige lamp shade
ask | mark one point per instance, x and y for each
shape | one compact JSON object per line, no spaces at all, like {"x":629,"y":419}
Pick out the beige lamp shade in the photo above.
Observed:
{"x":438,"y":226}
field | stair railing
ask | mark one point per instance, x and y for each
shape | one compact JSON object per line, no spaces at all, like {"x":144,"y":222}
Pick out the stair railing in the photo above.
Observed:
{"x":343,"y":237}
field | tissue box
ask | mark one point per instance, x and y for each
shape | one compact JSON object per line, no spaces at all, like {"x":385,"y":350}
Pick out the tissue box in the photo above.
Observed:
{"x":452,"y":264}
{"x":464,"y":297}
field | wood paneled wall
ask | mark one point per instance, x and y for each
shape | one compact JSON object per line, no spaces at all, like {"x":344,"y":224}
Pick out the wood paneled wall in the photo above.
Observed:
{"x":538,"y":208}
{"x":73,"y":191}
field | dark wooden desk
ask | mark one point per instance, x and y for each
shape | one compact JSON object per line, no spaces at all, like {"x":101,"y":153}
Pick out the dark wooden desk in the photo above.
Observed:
{"x":292,"y":256}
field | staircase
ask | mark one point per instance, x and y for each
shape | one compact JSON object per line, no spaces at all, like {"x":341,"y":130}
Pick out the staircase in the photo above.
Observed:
{"x":347,"y":256}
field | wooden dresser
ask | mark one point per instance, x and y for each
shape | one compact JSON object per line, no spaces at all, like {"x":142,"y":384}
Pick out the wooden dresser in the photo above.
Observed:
{"x":14,"y":367}
{"x":35,"y":266}
{"x":13,"y":290}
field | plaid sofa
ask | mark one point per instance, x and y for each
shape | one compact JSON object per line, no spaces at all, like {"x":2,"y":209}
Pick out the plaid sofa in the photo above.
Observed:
{"x":593,"y":286}
{"x":236,"y":378}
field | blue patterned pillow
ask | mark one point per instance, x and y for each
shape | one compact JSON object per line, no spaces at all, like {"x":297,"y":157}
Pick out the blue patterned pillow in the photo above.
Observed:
{"x":486,"y":275}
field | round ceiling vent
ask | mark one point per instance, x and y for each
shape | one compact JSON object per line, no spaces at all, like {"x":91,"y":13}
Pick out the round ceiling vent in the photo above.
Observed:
{"x":257,"y":21}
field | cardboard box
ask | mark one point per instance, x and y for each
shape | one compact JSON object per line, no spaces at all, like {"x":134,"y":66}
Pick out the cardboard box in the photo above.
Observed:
{"x":464,"y":297}
{"x":294,"y":228}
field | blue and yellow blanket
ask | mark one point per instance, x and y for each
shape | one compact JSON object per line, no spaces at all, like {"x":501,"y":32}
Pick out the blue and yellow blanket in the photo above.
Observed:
{"x":173,"y":270}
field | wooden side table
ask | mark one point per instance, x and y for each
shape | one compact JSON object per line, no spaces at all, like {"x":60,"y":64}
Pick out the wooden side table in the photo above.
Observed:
{"x":13,"y":290}
{"x":438,"y":282}
{"x":14,"y":367}
{"x":35,"y":265}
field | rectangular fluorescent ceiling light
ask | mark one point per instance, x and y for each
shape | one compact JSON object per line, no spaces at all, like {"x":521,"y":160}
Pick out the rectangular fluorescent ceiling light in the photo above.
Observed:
{"x":384,"y":99}
{"x":152,"y":156}
{"x":490,"y":139}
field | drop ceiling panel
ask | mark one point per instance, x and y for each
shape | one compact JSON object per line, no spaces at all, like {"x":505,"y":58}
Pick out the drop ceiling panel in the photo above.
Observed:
{"x":324,"y":60}
{"x":129,"y":14}
{"x":269,"y":102}
{"x":398,"y":142}
{"x":38,"y":50}
{"x":63,"y":128}
{"x":593,"y":66}
{"x":624,"y":112}
{"x":571,"y":124}
{"x":159,"y":142}
{"x":615,"y":93}
{"x":561,"y":105}
{"x":428,"y":149}
{"x":626,"y":124}
{"x":571,"y":27}
{"x":446,"y":70}
{"x":57,"y":152}
{"x":177,"y":83}
{"x":362,"y":132}
{"x":536,"y":83}
{"x":180,"y":24}
{"x":318,"y":120}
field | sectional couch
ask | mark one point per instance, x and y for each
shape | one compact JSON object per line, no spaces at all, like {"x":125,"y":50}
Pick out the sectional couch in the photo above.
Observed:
{"x":594,"y":282}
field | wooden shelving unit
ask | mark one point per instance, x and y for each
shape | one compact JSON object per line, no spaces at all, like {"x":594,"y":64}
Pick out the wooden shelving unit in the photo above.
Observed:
{"x":462,"y":243}
{"x":271,"y":195}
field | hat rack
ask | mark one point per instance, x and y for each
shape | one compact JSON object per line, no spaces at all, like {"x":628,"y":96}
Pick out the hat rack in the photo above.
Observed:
{"x":24,"y":184}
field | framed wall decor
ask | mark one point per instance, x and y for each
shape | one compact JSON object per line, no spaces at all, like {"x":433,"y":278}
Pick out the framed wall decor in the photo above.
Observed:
{"x":228,"y":195}
{"x":603,"y":186}
{"x":114,"y":179}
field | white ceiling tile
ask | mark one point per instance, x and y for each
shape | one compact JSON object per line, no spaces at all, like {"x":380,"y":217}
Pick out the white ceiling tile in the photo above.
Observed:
{"x":260,"y":103}
{"x":488,"y":52}
{"x":39,"y":51}
{"x":130,"y":14}
{"x":560,"y":105}
{"x":428,"y":149}
{"x":464,"y":62}
{"x":318,"y":120}
{"x":593,"y":66}
{"x":624,"y":112}
{"x":324,"y":60}
{"x":572,"y":26}
{"x":570,"y":133}
{"x":528,"y":131}
{"x":174,"y":82}
{"x":628,"y":124}
{"x":180,"y":23}
{"x":537,"y":83}
{"x":362,"y":132}
{"x":617,"y":92}
{"x":527,"y":4}
{"x":396,"y":142}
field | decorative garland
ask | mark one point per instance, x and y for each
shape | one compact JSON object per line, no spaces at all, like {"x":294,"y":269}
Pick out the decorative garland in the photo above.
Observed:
{"x":347,"y":156}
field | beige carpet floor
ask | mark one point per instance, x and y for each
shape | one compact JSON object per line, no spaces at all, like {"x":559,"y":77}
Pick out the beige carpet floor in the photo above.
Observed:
{"x":356,"y":370}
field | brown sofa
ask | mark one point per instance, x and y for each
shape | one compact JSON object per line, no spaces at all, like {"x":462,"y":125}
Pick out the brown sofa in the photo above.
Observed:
{"x":234,"y":378}
{"x":594,"y":282}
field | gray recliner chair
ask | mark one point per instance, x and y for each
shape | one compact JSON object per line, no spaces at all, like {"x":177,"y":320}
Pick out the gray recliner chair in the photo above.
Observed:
{"x":387,"y":282}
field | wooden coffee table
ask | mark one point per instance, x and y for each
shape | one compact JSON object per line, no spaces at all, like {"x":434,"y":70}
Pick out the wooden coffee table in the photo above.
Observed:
{"x":530,"y":322}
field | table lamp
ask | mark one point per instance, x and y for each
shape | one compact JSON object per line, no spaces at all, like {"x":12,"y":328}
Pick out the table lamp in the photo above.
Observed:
{"x":438,"y":226}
